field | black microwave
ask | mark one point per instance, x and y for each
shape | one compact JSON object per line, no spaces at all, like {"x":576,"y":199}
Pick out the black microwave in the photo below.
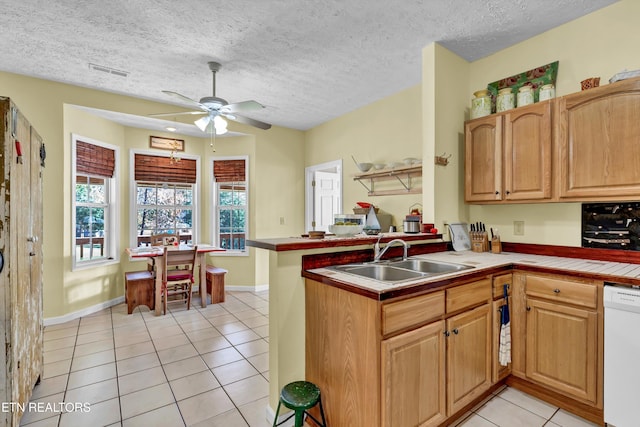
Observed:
{"x":611,"y":225}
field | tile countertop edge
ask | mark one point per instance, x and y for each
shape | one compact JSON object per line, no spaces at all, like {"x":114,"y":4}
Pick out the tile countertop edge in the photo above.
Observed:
{"x":484,"y":264}
{"x":302,"y":243}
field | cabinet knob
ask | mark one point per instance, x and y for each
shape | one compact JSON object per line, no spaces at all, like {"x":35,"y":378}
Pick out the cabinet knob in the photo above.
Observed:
{"x":497,"y":192}
{"x":528,"y":308}
{"x":455,"y":331}
{"x":508,"y":192}
{"x":32,"y":254}
{"x":33,"y":239}
{"x":446,"y":333}
{"x":556,"y":290}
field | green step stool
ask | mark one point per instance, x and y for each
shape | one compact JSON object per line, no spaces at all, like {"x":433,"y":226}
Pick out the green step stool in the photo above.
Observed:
{"x":300,"y":396}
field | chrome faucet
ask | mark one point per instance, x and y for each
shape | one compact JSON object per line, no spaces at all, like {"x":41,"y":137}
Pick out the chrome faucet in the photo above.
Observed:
{"x":377,"y":253}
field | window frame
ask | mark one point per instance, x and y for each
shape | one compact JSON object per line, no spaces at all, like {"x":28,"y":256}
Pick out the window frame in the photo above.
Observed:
{"x":133,"y":202}
{"x":215,"y":229}
{"x":111,"y":241}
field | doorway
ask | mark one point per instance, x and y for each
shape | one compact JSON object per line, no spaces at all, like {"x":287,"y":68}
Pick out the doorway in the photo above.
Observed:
{"x":323,"y":194}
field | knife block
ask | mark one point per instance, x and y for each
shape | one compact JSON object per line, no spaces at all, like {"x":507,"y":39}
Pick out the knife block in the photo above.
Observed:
{"x":479,"y":242}
{"x":496,"y":245}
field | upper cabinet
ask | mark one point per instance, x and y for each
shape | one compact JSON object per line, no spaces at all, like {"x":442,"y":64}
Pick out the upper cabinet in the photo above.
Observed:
{"x":508,"y":155}
{"x":599,"y":143}
{"x":581,"y":147}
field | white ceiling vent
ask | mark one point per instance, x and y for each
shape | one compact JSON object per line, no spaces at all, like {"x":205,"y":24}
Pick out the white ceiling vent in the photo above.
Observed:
{"x":109,"y":70}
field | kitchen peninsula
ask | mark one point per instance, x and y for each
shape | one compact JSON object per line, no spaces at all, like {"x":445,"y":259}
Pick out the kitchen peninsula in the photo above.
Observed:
{"x":283,"y":260}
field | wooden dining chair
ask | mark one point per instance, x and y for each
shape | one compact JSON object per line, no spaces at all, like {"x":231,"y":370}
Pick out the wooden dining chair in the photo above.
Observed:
{"x":158,"y":239}
{"x":178,"y":275}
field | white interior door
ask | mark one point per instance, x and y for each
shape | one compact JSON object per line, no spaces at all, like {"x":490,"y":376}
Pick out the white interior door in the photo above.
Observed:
{"x":323,"y":194}
{"x":326,"y":199}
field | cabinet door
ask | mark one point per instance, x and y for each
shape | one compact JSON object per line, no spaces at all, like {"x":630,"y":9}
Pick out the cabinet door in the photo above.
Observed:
{"x":527,"y":152}
{"x":499,"y":371}
{"x":468,"y":356}
{"x":413,"y":378}
{"x":483,"y":159}
{"x":598,"y":133}
{"x":562,"y":348}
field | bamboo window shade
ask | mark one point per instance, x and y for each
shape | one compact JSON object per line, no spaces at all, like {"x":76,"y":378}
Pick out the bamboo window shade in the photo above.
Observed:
{"x":94,"y":160}
{"x":229,"y":170}
{"x":163,"y":169}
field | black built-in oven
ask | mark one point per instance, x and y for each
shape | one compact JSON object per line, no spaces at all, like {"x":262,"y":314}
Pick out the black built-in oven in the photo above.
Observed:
{"x":611,"y":225}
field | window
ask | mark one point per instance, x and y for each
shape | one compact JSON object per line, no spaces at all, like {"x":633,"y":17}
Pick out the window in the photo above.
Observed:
{"x":164,"y":208}
{"x":94,"y":234}
{"x":231,"y":204}
{"x":165,"y":201}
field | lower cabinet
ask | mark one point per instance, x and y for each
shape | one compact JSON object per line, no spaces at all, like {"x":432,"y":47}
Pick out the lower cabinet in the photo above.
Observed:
{"x":468,"y":357}
{"x":413,"y":379}
{"x":563,"y":348}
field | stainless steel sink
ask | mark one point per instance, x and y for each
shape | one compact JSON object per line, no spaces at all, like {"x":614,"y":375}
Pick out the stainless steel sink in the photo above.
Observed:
{"x":430,"y":267}
{"x":381,"y":272}
{"x":396,"y":271}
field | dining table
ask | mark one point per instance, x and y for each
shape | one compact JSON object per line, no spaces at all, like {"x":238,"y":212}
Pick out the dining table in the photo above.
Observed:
{"x":156,"y":253}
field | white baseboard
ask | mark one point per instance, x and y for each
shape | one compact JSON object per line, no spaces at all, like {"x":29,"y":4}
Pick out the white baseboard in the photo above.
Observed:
{"x":271,"y":414}
{"x":84,"y":312}
{"x":95,"y":308}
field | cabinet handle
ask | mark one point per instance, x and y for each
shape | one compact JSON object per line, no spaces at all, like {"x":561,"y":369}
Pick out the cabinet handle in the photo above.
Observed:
{"x":455,"y":331}
{"x":497,"y":192}
{"x":528,"y":308}
{"x":446,"y":333}
{"x":33,"y":239}
{"x":556,"y":290}
{"x":508,"y":192}
{"x":32,"y":254}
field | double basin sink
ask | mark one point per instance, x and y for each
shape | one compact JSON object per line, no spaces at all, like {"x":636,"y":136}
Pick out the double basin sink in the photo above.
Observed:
{"x":399,"y":270}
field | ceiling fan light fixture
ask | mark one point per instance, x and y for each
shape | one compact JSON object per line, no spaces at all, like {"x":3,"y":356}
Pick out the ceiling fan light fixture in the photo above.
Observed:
{"x":217,"y":125}
{"x":170,"y":128}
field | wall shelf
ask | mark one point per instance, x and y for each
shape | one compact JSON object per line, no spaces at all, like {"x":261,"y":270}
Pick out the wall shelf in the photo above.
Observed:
{"x":404,"y":175}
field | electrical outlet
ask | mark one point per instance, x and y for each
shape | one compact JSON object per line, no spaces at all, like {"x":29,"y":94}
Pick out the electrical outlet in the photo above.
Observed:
{"x":518,"y":228}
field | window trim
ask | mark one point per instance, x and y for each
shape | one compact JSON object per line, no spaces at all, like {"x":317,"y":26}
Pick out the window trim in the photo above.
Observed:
{"x":133,"y":204}
{"x":112,"y":255}
{"x":215,"y":228}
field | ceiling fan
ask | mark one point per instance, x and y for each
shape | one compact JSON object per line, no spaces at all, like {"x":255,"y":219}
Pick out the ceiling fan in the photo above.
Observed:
{"x":215,"y":108}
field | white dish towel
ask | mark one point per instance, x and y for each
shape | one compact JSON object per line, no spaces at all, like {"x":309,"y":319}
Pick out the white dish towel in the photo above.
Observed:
{"x":504,"y":351}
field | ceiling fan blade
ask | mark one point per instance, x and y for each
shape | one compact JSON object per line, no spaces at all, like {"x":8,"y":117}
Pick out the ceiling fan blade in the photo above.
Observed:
{"x":242,"y":107}
{"x":186,"y":99}
{"x":248,"y":121}
{"x":177,"y":114}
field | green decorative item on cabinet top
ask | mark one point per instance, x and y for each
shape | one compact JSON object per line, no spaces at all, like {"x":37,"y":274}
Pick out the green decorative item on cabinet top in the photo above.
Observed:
{"x":536,"y":78}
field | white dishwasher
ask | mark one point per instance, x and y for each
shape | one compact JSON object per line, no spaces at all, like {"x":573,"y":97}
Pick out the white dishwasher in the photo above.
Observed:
{"x":621,"y":355}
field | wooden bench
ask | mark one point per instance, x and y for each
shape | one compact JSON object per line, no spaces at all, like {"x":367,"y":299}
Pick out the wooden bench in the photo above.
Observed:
{"x":215,"y":284}
{"x":139,"y":289}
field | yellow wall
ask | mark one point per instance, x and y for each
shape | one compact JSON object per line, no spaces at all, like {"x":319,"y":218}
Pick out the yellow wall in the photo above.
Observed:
{"x":386,"y":131}
{"x":597,"y":45}
{"x":275,"y":158}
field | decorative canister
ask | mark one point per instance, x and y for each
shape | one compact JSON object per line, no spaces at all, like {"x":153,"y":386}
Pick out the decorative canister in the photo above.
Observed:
{"x":506,"y":100}
{"x":525,"y":96}
{"x":481,"y":104}
{"x":547,"y":92}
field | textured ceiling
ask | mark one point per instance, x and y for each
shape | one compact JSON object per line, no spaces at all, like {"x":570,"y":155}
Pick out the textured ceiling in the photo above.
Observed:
{"x":306,"y":61}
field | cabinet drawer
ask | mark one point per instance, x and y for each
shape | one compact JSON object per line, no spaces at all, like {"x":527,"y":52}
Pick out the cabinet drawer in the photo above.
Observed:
{"x":468,"y":295}
{"x":400,"y":315}
{"x":498,"y":285}
{"x":562,"y":290}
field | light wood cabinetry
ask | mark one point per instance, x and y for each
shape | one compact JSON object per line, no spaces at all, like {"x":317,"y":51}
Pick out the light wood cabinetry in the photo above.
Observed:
{"x":21,"y":250}
{"x":468,"y":356}
{"x":413,"y":378}
{"x":498,"y":371}
{"x":598,"y":132}
{"x":563,"y":336}
{"x":508,"y":155}
{"x":414,"y":361}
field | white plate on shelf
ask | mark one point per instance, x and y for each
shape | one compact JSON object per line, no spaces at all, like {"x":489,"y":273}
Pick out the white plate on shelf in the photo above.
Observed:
{"x":460,"y":236}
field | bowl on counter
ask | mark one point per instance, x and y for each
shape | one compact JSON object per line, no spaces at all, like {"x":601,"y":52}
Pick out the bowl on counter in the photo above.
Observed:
{"x":345,"y":230}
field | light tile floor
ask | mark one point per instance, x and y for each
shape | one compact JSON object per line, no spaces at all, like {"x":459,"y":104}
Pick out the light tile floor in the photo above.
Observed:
{"x":202,"y":367}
